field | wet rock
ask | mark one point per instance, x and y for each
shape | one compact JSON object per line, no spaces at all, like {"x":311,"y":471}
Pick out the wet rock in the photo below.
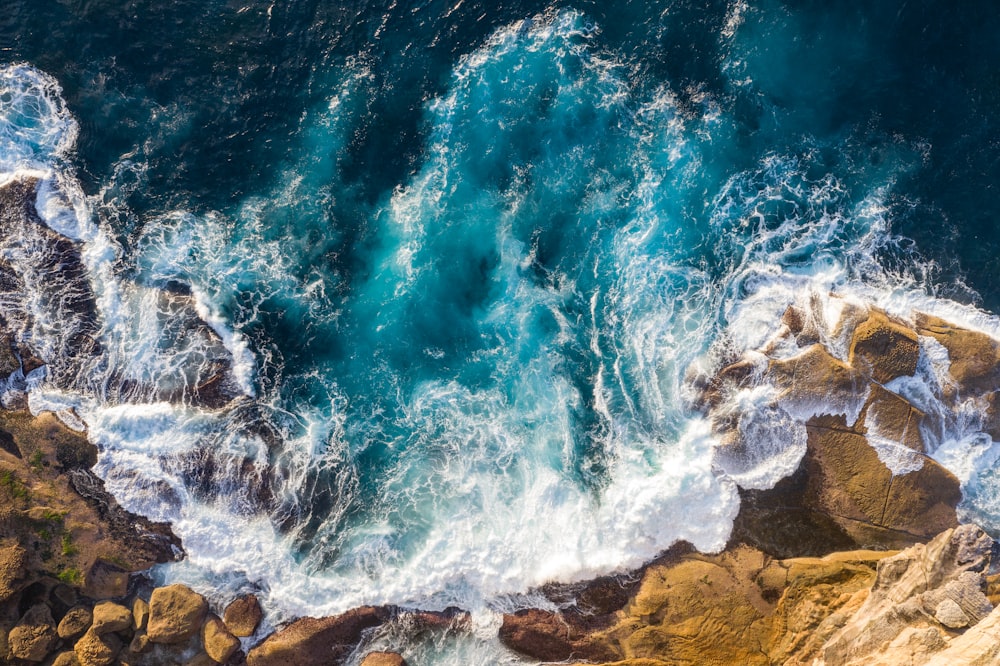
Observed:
{"x":96,"y":650}
{"x":219,"y":644}
{"x":383,"y":659}
{"x":974,"y":356}
{"x":109,"y":616}
{"x":549,"y":636}
{"x":175,"y":614}
{"x":34,"y":636}
{"x":317,"y":641}
{"x":76,"y":621}
{"x":243,"y":615}
{"x":152,"y":541}
{"x":884,"y":349}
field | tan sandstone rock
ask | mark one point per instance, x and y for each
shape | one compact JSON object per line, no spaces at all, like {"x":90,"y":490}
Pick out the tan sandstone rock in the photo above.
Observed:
{"x":219,"y":644}
{"x":95,"y":650}
{"x":175,"y":614}
{"x":243,"y":615}
{"x":34,"y":636}
{"x":13,"y":562}
{"x":76,"y":621}
{"x":140,"y":613}
{"x":109,"y":616}
{"x":383,"y":659}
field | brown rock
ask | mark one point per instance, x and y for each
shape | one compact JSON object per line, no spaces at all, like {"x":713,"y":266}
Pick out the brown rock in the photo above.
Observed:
{"x":95,"y":650}
{"x":890,"y":417}
{"x":76,"y":621}
{"x":200,"y":659}
{"x":219,"y":644}
{"x":317,"y":642}
{"x":243,"y":615}
{"x":175,"y":614}
{"x":109,"y":616}
{"x":34,"y":636}
{"x":815,"y":376}
{"x":884,"y":349}
{"x":383,"y":659}
{"x":140,"y":613}
{"x":548,"y":636}
{"x":13,"y":560}
{"x":849,"y":483}
{"x":974,"y":356}
{"x":66,"y":659}
{"x":140,"y":643}
{"x":105,"y":580}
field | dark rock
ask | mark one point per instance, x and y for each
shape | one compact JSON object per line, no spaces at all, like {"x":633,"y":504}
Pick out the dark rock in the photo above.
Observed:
{"x":155,"y":541}
{"x":884,"y":349}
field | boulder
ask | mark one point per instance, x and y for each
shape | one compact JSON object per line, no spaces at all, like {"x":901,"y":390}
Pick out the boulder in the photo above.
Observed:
{"x":13,"y":563}
{"x":109,"y":616}
{"x":383,"y":659}
{"x":175,"y":614}
{"x":34,"y":636}
{"x":318,"y":641}
{"x":140,"y":643}
{"x":140,"y":613}
{"x":95,"y":650}
{"x":67,"y":658}
{"x":243,"y":615}
{"x":219,"y":644}
{"x":76,"y":621}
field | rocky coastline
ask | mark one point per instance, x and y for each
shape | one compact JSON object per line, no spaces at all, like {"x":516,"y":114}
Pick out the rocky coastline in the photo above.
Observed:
{"x":856,"y":557}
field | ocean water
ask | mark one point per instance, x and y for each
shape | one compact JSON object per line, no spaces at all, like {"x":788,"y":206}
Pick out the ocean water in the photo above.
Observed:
{"x":461,"y":257}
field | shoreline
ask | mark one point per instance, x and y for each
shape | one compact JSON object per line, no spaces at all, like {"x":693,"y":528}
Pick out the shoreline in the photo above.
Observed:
{"x":865,"y":486}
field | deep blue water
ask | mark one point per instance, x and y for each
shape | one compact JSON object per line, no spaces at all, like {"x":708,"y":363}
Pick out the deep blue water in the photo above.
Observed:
{"x":472,"y":248}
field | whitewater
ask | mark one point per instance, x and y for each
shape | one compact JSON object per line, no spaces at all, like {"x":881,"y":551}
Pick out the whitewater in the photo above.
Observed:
{"x":490,"y":388}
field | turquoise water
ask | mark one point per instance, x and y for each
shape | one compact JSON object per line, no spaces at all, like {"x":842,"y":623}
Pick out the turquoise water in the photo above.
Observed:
{"x":463,"y":258}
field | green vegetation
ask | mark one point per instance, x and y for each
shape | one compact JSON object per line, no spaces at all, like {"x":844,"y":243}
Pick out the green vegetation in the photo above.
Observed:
{"x":12,"y":486}
{"x":37,"y":461}
{"x":68,"y":549}
{"x":70,"y":576}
